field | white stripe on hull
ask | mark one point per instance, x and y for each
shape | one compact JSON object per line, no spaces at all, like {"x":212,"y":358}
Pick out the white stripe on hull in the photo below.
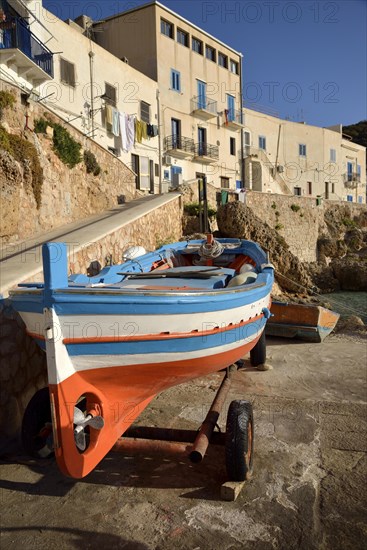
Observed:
{"x":89,"y":326}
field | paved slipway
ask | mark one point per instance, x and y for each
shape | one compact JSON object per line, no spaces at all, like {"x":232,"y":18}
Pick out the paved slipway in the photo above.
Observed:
{"x":308,"y":490}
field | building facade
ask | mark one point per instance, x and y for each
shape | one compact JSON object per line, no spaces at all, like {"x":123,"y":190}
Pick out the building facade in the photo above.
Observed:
{"x":282,"y":156}
{"x":199,"y":101}
{"x":83,"y":84}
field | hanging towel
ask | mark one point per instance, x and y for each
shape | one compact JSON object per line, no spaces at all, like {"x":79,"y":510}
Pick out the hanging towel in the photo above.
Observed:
{"x":144,"y":130}
{"x":122,"y":119}
{"x":155,"y":130}
{"x":224,"y":197}
{"x":109,"y":117}
{"x":138,"y":131}
{"x":115,"y":123}
{"x":130,"y":131}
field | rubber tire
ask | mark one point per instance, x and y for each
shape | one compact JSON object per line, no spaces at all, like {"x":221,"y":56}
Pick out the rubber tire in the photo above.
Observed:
{"x":258,"y":352}
{"x":239,"y":441}
{"x":36,"y":415}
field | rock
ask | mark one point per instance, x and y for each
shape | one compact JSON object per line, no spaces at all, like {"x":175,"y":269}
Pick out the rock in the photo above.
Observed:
{"x":350,"y":324}
{"x":354,"y":239}
{"x":351,"y":272}
{"x":237,"y":220}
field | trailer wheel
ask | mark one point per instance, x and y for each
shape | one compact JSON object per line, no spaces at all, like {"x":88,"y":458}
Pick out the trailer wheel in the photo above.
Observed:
{"x":37,"y":439}
{"x":258,"y":352}
{"x":239,"y":441}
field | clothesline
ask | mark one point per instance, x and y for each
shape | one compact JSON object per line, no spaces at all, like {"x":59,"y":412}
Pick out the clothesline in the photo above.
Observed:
{"x":128,"y":127}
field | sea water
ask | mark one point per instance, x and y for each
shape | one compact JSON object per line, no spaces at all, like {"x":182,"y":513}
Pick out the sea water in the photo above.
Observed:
{"x":348,"y":303}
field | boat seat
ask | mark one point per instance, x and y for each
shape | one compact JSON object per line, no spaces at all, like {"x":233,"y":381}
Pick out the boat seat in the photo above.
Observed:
{"x":245,"y":278}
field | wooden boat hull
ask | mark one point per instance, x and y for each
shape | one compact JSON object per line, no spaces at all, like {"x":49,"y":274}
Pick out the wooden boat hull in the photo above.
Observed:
{"x":116,"y":347}
{"x":310,"y":323}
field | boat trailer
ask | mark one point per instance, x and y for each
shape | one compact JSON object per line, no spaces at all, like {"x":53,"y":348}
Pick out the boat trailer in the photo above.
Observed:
{"x":238,"y":439}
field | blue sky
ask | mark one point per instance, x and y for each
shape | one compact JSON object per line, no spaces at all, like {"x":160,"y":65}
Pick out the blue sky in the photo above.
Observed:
{"x":304,"y":60}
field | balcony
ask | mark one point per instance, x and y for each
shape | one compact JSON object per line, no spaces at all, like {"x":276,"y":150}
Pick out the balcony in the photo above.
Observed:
{"x":351,"y":179}
{"x":205,"y":153}
{"x":20,"y":47}
{"x":233,"y":119}
{"x":203,"y":107}
{"x":179,"y":147}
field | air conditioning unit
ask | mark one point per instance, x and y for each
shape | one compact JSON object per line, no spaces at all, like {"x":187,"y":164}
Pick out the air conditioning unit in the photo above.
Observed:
{"x":280,"y":169}
{"x":167,"y":159}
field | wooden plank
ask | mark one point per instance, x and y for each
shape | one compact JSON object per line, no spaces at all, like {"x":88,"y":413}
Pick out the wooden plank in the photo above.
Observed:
{"x":230,"y":490}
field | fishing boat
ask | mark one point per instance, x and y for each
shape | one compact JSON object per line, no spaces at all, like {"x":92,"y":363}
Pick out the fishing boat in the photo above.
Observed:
{"x":309,"y":322}
{"x":114,"y":341}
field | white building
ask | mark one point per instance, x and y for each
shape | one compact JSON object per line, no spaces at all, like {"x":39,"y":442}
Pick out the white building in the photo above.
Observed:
{"x":291,"y":157}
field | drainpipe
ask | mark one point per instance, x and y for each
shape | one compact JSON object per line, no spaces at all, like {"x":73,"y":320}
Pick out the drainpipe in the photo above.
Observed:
{"x":91,"y":56}
{"x":159,"y":143}
{"x":242,"y":160}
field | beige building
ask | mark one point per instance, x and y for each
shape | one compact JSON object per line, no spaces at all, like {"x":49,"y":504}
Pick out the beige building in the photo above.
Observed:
{"x":199,"y":82}
{"x":290,"y":157}
{"x":82,"y":83}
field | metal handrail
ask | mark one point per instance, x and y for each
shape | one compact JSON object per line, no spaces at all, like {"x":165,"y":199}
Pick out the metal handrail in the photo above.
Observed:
{"x":179,"y":142}
{"x":234,"y":116}
{"x":204,"y":103}
{"x":207,"y":150}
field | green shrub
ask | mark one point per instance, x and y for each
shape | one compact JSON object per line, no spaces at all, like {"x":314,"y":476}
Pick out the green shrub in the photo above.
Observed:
{"x":193,"y":209}
{"x":66,"y":147}
{"x":279,"y":226}
{"x":277,"y":213}
{"x":7,"y":99}
{"x":24,"y":152}
{"x":274,"y":205}
{"x":91,"y":163}
{"x":348,"y":222}
{"x":40,"y":126}
{"x":295,"y":207}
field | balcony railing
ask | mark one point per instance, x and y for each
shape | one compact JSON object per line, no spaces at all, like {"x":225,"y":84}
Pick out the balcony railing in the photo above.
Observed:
{"x":14,"y":34}
{"x":233,"y":116}
{"x":206,"y":150}
{"x":351,"y":178}
{"x":179,"y":143}
{"x":202,"y":103}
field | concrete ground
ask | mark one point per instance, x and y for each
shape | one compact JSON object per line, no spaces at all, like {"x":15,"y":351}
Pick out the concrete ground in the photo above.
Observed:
{"x":309,"y":485}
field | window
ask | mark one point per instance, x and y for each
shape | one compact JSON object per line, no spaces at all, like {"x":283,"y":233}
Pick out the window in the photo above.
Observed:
{"x":233,"y":66}
{"x":145,"y":112}
{"x":175,"y":80}
{"x":197,"y":45}
{"x":332,"y":155}
{"x":262,"y":142}
{"x":232,"y":145}
{"x":224,"y":183}
{"x":166,"y":28}
{"x":166,"y":175}
{"x":302,"y":150}
{"x":183,"y":38}
{"x":110,"y":94}
{"x":333,"y":187}
{"x":222,"y":60}
{"x":67,"y":72}
{"x":350,"y":198}
{"x":360,"y":199}
{"x":297,"y":191}
{"x":156,"y":170}
{"x":210,"y":53}
{"x":309,"y":186}
{"x":350,"y":171}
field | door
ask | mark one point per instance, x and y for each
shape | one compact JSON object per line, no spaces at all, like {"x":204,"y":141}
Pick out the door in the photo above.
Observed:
{"x":201,"y":94}
{"x":176,"y":133}
{"x":231,"y":108}
{"x":326,"y":189}
{"x":350,"y":171}
{"x":202,"y":141}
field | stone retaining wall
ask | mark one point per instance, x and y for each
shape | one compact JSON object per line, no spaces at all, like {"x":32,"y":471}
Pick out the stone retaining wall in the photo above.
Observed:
{"x":23,"y":368}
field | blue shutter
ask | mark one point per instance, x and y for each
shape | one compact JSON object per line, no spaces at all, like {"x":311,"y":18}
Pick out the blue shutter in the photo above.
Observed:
{"x":201,"y":95}
{"x":231,"y":107}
